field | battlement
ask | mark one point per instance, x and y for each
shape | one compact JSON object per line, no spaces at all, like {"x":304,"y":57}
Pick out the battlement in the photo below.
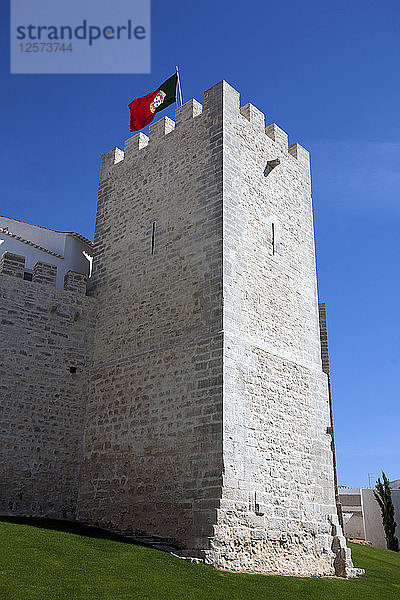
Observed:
{"x":221,"y":98}
{"x":43,"y":273}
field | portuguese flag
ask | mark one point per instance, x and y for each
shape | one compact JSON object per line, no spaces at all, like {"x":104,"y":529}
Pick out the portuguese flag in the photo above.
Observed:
{"x":144,"y":109}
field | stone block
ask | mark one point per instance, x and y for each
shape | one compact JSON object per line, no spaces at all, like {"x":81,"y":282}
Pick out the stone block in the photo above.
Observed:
{"x":108,"y":160}
{"x":12,"y":264}
{"x":253,"y":115}
{"x":44,"y":273}
{"x":159,"y":129}
{"x":134,"y":144}
{"x":188,"y":111}
{"x":279,"y":136}
{"x":75,"y":282}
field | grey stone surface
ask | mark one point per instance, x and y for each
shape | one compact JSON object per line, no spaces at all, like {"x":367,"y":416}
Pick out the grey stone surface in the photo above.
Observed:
{"x":208,"y":408}
{"x":44,"y":332}
{"x":12,"y":264}
{"x":75,"y":282}
{"x":44,"y":273}
{"x":153,"y":438}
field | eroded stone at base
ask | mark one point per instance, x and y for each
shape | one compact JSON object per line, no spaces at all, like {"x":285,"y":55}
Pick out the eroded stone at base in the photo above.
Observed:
{"x":343,"y":562}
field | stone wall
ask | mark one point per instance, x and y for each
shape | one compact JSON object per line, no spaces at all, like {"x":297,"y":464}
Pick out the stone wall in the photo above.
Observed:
{"x":278,"y":497}
{"x":153,"y":435}
{"x":208,"y":414}
{"x":44,"y":348}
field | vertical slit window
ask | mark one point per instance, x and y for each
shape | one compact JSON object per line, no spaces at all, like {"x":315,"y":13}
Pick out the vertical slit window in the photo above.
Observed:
{"x":153,"y":237}
{"x":273,"y":238}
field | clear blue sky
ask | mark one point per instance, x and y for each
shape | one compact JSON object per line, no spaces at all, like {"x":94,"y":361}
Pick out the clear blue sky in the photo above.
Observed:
{"x":328,"y":73}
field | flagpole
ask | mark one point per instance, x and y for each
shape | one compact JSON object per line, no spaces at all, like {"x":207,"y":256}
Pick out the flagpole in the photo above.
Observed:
{"x":179,"y":85}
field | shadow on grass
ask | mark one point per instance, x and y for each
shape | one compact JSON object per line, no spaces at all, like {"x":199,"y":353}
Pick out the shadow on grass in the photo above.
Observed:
{"x":76,"y":528}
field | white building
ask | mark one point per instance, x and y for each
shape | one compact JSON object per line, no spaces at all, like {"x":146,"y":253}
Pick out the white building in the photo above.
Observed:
{"x":68,"y":251}
{"x":362,"y":517}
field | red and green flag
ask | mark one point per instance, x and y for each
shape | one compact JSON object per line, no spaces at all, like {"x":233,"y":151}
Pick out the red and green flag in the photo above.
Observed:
{"x":144,"y":109}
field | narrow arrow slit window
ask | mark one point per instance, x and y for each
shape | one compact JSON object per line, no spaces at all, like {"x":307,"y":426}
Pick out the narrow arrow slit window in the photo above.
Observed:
{"x":273,"y":238}
{"x":153,"y":237}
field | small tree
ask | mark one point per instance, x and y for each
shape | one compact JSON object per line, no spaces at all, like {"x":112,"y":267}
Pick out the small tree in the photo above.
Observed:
{"x":383,"y":496}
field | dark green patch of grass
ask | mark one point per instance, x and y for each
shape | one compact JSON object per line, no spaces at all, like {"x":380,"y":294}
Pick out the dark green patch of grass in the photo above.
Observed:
{"x":58,"y":562}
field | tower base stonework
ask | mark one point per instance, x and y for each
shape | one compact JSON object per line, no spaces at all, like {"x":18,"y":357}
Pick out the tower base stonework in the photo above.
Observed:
{"x":207,"y":421}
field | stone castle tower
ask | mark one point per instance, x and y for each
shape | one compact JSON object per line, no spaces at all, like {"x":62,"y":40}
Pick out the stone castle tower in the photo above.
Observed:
{"x":207,"y":418}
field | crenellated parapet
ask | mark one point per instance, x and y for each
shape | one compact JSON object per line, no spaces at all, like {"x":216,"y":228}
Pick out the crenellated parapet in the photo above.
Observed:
{"x":189,"y":110}
{"x":12,"y":264}
{"x":277,"y":135}
{"x":43,"y":273}
{"x":221,"y":98}
{"x":108,"y":160}
{"x":75,"y":282}
{"x":253,"y":115}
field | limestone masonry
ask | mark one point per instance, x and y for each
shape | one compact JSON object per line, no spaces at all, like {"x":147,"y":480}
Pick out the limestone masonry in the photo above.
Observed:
{"x":184,"y":396}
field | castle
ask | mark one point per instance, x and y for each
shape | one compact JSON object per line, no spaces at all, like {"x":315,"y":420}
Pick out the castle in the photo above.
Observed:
{"x":180,"y":394}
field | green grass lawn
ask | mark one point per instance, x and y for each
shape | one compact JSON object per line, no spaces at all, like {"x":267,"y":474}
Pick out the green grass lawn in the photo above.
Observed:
{"x":51,"y":562}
